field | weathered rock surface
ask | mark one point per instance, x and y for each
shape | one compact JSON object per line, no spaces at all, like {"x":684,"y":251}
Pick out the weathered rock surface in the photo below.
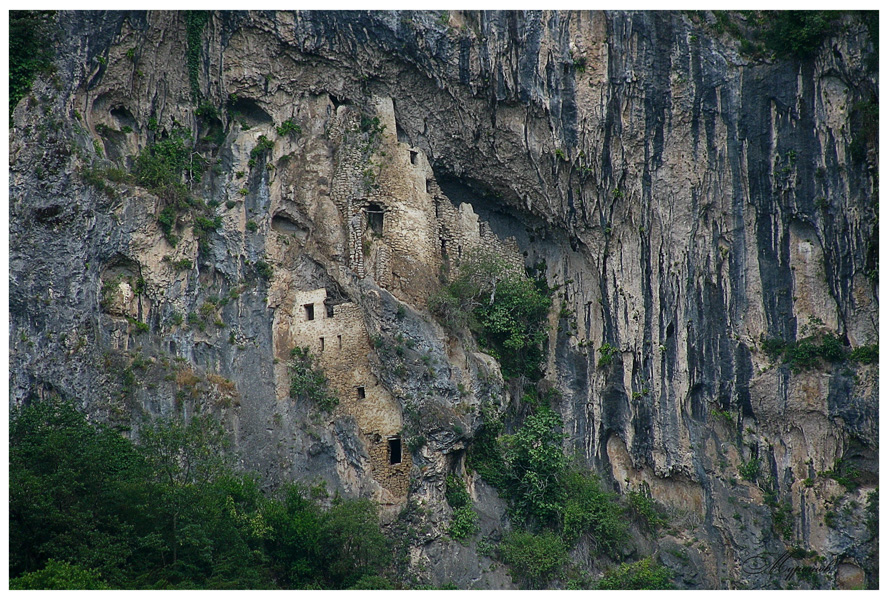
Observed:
{"x":690,"y":202}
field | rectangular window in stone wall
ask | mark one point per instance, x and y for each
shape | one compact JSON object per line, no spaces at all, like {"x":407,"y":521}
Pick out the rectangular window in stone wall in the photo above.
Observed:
{"x":374,"y":217}
{"x":309,"y":312}
{"x":361,"y":393}
{"x":322,"y":344}
{"x":339,"y":339}
{"x":394,"y":450}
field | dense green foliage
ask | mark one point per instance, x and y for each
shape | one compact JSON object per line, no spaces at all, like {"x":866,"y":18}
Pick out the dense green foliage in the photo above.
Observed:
{"x":545,"y":495}
{"x":797,"y":32}
{"x":533,"y":559}
{"x":504,"y":308}
{"x":811,"y":352}
{"x":464,"y":523}
{"x":590,"y":508}
{"x":531,"y":471}
{"x":308,"y":382}
{"x":535,"y":465}
{"x":58,"y":575}
{"x":161,"y":166}
{"x":607,"y":352}
{"x":455,"y":492}
{"x":867,"y":355}
{"x":30,"y":51}
{"x":646,"y":510}
{"x":641,"y":575}
{"x":88,"y":509}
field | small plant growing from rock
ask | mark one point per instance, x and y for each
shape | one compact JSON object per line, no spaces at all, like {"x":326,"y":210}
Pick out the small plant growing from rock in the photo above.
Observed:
{"x":288,"y":127}
{"x":607,"y":352}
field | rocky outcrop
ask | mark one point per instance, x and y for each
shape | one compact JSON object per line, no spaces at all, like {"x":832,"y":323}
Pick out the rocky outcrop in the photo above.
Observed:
{"x":690,"y":201}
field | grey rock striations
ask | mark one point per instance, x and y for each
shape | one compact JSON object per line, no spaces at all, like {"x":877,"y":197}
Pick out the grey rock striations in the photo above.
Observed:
{"x":691,"y":201}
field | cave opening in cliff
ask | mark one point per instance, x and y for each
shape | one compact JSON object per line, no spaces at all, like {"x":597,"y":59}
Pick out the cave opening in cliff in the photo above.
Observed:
{"x":493,"y":211}
{"x":394,"y":450}
{"x":375,"y":215}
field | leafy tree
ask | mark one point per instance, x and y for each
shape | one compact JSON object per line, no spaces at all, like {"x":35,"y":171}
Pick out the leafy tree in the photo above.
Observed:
{"x":88,"y":509}
{"x":182,"y":453}
{"x":589,"y":508}
{"x":67,"y":480}
{"x":294,"y":542}
{"x":59,"y":576}
{"x":503,"y":307}
{"x":353,"y":542}
{"x":535,"y":461}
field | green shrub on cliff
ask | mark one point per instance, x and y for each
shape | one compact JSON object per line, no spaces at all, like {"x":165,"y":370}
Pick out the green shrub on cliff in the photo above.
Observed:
{"x":503,"y":307}
{"x":797,"y":32}
{"x":308,"y":382}
{"x":641,"y":575}
{"x":534,"y":559}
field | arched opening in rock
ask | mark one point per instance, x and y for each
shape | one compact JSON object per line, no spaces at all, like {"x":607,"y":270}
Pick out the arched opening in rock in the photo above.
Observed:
{"x":248,"y":112}
{"x":283,"y":224}
{"x":123,"y":118}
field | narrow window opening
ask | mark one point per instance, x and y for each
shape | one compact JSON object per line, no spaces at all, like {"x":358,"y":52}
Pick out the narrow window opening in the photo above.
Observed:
{"x":413,"y":154}
{"x":309,"y":312}
{"x":444,"y":249}
{"x":329,"y":311}
{"x":322,"y":344}
{"x":374,"y":218}
{"x":339,"y":339}
{"x":361,"y":393}
{"x":394,"y":451}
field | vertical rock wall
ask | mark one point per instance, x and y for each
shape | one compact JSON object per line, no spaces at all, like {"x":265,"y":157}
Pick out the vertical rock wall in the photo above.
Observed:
{"x":690,"y":201}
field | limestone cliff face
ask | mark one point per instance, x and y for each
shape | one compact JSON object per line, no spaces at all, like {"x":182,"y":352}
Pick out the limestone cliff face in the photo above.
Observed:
{"x":690,"y":201}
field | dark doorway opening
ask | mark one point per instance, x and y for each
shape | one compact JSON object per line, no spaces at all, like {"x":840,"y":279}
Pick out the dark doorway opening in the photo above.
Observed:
{"x":394,"y":451}
{"x":375,"y":216}
{"x":309,"y":312}
{"x":361,"y":393}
